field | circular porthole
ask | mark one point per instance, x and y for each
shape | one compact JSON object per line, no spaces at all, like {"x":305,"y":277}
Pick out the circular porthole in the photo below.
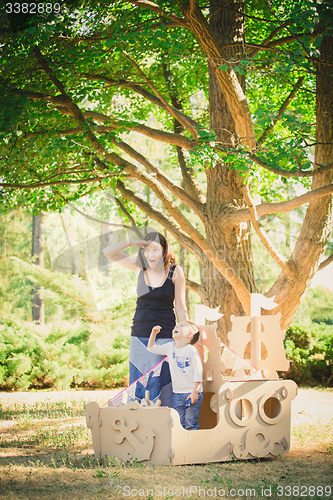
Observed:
{"x":243,"y":411}
{"x":213,"y":403}
{"x":270,"y":409}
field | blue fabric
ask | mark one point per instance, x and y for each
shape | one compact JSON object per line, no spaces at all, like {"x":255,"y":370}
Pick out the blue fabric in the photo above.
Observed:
{"x":140,"y":361}
{"x":189,"y":416}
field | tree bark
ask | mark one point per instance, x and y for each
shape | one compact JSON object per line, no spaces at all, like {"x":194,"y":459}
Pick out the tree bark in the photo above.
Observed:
{"x":224,"y":186}
{"x":38,"y":243}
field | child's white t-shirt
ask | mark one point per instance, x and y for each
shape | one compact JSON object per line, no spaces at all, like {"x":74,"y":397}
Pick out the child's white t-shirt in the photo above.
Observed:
{"x":185,"y":365}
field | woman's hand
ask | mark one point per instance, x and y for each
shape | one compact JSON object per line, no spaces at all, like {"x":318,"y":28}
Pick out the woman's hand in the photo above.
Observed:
{"x":138,"y":243}
{"x":114,"y":252}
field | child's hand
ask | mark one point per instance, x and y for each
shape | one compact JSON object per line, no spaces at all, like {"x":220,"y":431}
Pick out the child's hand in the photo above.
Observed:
{"x":194,"y":397}
{"x":156,"y":330}
{"x":153,"y":333}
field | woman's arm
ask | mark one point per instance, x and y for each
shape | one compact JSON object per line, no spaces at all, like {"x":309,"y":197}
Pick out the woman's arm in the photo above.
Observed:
{"x":180,"y":287}
{"x":115,"y":253}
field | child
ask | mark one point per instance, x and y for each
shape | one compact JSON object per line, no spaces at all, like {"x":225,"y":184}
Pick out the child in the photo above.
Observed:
{"x":185,"y":369}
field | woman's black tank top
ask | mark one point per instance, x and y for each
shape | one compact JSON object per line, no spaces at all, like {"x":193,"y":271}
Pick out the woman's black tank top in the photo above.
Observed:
{"x":154,"y":306}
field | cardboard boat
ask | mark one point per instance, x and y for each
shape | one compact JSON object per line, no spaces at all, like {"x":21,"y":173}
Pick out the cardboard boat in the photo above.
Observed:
{"x":244,"y":415}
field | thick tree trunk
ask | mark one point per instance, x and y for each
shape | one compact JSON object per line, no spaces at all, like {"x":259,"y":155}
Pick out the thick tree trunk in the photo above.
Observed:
{"x":224,"y":185}
{"x":311,"y":244}
{"x":38,"y":242}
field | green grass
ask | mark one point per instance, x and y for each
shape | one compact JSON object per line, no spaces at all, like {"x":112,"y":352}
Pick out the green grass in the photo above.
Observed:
{"x":42,"y":409}
{"x":46,"y":453}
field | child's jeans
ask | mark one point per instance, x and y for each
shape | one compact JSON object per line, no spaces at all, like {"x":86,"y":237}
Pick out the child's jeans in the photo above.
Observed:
{"x":188,"y":416}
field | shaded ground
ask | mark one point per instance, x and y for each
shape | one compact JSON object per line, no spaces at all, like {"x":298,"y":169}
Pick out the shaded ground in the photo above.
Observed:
{"x":46,"y":452}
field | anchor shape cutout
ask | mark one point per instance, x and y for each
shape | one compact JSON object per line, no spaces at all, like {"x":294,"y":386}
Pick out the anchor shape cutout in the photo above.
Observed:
{"x":142,"y":450}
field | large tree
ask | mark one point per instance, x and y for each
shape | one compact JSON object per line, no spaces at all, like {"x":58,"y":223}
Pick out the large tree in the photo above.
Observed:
{"x":73,"y":84}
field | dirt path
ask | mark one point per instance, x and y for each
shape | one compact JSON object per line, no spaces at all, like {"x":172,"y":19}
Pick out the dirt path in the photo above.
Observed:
{"x":312,"y":405}
{"x":309,"y":406}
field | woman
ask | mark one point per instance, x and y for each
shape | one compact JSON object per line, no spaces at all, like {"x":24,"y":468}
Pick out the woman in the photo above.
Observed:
{"x":160,"y":290}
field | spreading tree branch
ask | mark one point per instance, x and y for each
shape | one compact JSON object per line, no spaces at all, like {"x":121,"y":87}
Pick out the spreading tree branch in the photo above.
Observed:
{"x":164,"y":219}
{"x":279,"y":259}
{"x":126,"y":213}
{"x":158,"y":135}
{"x":100,"y":37}
{"x":169,"y":108}
{"x":292,"y":37}
{"x":155,"y":8}
{"x":326,"y":262}
{"x":290,"y":173}
{"x":268,"y":39}
{"x":282,"y":109}
{"x":195,"y":287}
{"x":76,"y":111}
{"x":190,"y":183}
{"x":227,"y":80}
{"x":168,"y":204}
{"x":35,"y":185}
{"x":242,"y":215}
{"x":101,"y":222}
{"x":162,"y":178}
{"x":149,"y":96}
{"x":281,"y":41}
{"x":78,"y":115}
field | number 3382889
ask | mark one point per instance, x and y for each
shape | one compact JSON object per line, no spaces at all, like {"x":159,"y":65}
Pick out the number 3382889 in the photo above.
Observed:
{"x":32,"y":8}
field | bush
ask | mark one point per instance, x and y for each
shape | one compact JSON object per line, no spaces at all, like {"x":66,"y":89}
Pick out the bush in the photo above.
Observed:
{"x":311,"y":356}
{"x":61,"y":355}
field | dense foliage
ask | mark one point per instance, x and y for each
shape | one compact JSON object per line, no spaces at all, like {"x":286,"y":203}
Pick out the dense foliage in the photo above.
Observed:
{"x":93,"y":53}
{"x":62,"y":355}
{"x":311,"y":356}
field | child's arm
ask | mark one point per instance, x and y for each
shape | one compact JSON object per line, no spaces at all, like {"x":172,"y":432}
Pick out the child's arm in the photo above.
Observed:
{"x":194,"y":394}
{"x":153,"y":334}
{"x":197,"y":368}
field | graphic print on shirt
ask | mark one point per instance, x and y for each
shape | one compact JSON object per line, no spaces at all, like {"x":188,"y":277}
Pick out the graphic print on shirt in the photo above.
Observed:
{"x":182,"y":362}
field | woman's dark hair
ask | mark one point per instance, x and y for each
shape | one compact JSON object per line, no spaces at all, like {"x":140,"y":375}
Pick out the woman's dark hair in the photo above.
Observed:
{"x":168,"y":255}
